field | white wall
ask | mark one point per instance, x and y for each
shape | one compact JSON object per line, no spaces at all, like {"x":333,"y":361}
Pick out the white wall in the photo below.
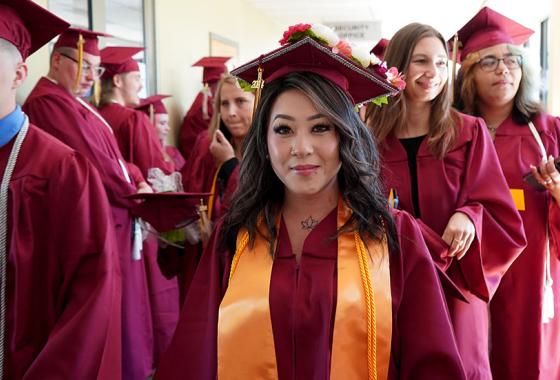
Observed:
{"x":38,"y":65}
{"x":182,"y":37}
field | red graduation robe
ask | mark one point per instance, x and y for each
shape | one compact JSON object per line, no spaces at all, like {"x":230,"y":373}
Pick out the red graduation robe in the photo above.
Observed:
{"x":198,"y":176}
{"x":63,"y":280}
{"x":422,"y":340}
{"x":468,"y":179}
{"x":522,"y":346}
{"x":59,"y":113}
{"x":139,"y":145}
{"x":175,"y":156}
{"x":194,"y":123}
{"x":136,"y":137}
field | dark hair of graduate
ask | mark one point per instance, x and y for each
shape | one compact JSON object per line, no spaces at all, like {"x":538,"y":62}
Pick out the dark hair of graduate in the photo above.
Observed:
{"x":261,"y":194}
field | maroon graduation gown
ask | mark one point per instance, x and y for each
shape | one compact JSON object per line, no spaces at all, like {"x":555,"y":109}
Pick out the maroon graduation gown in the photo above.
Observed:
{"x":468,"y":179}
{"x":523,"y":347}
{"x":59,"y":113}
{"x":63,"y":281}
{"x":136,"y":138}
{"x":175,"y":156}
{"x":423,"y":346}
{"x":139,"y":145}
{"x":198,"y":175}
{"x":193,"y":124}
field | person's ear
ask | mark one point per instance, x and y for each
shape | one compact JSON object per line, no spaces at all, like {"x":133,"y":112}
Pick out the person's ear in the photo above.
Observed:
{"x":20,"y":74}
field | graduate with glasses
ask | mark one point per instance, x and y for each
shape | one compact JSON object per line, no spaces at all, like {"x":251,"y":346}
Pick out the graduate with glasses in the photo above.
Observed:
{"x":497,"y":83}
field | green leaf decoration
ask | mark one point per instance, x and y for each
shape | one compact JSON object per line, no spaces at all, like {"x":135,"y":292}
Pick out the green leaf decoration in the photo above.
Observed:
{"x":245,"y":86}
{"x":380,"y":101}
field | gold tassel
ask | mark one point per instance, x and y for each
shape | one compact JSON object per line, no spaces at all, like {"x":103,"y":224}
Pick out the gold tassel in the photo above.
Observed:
{"x":258,"y":86}
{"x":80,"y":58}
{"x":96,"y":95}
{"x":454,"y":64}
{"x":152,"y":115}
{"x":205,"y":95}
{"x":204,"y":223}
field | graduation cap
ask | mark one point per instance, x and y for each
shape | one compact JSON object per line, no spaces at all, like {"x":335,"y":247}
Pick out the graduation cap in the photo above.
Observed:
{"x":489,"y":28}
{"x":82,"y":39}
{"x":153,"y":105}
{"x":168,"y":211}
{"x":118,"y":60}
{"x":27,"y":25}
{"x":380,"y":47}
{"x":214,"y":67}
{"x":302,"y":52}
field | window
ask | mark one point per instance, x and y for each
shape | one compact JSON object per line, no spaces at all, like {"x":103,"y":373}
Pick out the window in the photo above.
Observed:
{"x":130,"y":22}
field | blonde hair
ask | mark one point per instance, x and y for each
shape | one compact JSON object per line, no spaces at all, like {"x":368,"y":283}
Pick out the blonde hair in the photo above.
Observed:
{"x":216,"y":120}
{"x":444,"y":121}
{"x":526,"y":101}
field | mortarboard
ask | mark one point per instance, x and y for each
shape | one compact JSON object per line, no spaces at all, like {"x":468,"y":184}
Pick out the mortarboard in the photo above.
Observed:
{"x":153,"y":102}
{"x":27,"y":25}
{"x":214,"y":67}
{"x":316,"y":48}
{"x":153,"y":105}
{"x":118,"y":60}
{"x":489,"y":28}
{"x":169,"y":210}
{"x":74,"y":37}
{"x":380,"y":47}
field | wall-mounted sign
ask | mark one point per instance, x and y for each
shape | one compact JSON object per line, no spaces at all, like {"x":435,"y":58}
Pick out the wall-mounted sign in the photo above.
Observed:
{"x":357,"y":30}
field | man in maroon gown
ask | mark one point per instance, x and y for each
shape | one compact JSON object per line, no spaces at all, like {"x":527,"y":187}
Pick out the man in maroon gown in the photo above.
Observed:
{"x":139,"y":144}
{"x":198,"y":116}
{"x":56,"y":107}
{"x":59,"y":266}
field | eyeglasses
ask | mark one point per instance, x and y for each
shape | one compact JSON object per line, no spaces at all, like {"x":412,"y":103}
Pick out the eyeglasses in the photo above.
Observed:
{"x":96,"y":70}
{"x":491,"y":63}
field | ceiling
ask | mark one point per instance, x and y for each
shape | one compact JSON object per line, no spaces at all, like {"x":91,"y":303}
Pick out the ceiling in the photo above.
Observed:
{"x":445,"y":15}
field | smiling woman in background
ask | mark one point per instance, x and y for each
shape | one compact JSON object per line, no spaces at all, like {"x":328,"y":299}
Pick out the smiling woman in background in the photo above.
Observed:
{"x":437,"y":164}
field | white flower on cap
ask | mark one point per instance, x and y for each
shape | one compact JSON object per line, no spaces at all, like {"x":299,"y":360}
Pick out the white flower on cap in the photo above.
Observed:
{"x":375,"y":59}
{"x":325,"y":33}
{"x":360,"y":55}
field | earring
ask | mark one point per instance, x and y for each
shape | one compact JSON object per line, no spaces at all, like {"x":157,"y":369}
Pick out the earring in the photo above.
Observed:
{"x":266,"y":156}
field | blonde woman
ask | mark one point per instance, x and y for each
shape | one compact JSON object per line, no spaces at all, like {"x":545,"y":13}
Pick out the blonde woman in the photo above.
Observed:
{"x":213,"y":167}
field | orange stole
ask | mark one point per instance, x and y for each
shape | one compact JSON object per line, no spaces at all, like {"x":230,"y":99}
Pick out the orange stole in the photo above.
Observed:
{"x":245,"y":337}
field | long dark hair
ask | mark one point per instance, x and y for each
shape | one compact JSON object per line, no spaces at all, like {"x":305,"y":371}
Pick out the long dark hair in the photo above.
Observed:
{"x":261,"y":194}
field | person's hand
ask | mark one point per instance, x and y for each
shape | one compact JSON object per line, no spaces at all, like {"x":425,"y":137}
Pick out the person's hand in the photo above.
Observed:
{"x":459,"y":235}
{"x":220,"y":148}
{"x":548,"y":176}
{"x":143,"y":188}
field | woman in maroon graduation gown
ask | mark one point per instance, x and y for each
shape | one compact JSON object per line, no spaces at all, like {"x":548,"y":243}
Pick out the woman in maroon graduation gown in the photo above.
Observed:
{"x":497,"y":84}
{"x":310,"y":276}
{"x":440,"y":166}
{"x":155,"y":109}
{"x":213,"y":166}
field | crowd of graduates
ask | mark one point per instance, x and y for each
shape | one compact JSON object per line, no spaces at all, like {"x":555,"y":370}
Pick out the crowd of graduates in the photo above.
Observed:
{"x":328,"y":213}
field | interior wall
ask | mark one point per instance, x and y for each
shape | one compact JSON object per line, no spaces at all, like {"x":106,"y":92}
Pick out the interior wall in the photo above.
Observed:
{"x":182,"y":37}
